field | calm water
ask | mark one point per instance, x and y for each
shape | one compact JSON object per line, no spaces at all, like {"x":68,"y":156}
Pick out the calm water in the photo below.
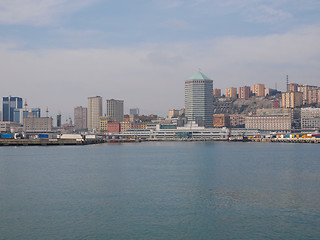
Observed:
{"x":173,"y":190}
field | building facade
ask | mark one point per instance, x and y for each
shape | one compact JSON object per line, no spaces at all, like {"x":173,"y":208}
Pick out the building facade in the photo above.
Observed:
{"x":271,"y":123}
{"x":199,"y":99}
{"x":310,"y":118}
{"x":9,"y":104}
{"x":292,"y":99}
{"x":173,"y":113}
{"x":244,"y":92}
{"x":221,"y":120}
{"x":94,"y":112}
{"x":258,"y":90}
{"x":237,"y":120}
{"x":314,"y":96}
{"x":80,"y":118}
{"x":34,"y":124}
{"x":305,"y":89}
{"x":217,"y":92}
{"x":21,"y":113}
{"x":231,"y":92}
{"x":114,"y":109}
{"x":134,"y":111}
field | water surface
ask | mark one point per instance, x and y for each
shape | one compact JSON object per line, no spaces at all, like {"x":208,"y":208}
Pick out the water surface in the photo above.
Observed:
{"x":161,"y":190}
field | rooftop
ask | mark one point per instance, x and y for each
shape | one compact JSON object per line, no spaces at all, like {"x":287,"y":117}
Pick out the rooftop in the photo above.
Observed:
{"x":199,"y":76}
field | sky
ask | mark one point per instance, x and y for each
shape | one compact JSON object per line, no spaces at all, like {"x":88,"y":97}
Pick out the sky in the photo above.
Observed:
{"x":57,"y":53}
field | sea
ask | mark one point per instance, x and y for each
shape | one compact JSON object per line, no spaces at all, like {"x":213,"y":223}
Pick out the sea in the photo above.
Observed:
{"x":161,"y":190}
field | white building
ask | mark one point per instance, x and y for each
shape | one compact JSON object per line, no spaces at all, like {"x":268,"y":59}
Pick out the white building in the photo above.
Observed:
{"x":94,"y":112}
{"x":271,"y":123}
{"x":199,"y":99}
{"x":310,"y":118}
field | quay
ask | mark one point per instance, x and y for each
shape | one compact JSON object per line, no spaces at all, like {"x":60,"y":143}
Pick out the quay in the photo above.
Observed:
{"x":59,"y":142}
{"x":286,"y":140}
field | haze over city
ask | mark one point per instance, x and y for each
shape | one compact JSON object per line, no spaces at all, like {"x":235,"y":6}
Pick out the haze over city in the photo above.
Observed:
{"x":59,"y":53}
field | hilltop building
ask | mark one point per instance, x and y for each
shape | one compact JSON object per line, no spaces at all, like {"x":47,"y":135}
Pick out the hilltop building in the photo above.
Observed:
{"x":244,"y":92}
{"x":231,"y":92}
{"x":258,"y":90}
{"x":292,"y":99}
{"x":199,"y":99}
{"x":216,"y":92}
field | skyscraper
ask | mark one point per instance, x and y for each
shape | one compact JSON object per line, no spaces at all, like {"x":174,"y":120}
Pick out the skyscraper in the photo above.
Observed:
{"x":199,"y":99}
{"x":9,"y":104}
{"x":94,"y":112}
{"x":59,"y":120}
{"x":80,"y":118}
{"x":115,"y":109}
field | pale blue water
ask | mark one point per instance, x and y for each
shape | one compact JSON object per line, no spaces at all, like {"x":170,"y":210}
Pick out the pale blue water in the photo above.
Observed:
{"x":167,"y":190}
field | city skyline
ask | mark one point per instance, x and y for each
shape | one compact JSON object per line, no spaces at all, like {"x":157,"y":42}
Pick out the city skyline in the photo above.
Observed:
{"x":64,"y":51}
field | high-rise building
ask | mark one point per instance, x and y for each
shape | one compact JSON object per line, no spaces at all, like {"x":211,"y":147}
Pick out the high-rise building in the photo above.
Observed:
{"x":199,"y":99}
{"x":134,"y":111}
{"x":231,"y":92}
{"x":217,"y":92}
{"x":9,"y":104}
{"x":314,"y":96}
{"x":80,"y":118}
{"x":292,"y":99}
{"x":244,"y":92}
{"x":115,"y":109}
{"x":305,"y":92}
{"x":173,"y":113}
{"x":258,"y":90}
{"x":292,"y":87}
{"x":59,"y":120}
{"x":94,"y":112}
{"x":21,"y":113}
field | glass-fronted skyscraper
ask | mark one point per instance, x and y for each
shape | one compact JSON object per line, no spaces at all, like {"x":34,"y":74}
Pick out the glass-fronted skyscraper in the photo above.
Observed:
{"x":199,"y":100}
{"x":9,"y":104}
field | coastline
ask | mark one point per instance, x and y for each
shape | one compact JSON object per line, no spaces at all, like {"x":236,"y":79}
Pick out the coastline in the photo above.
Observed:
{"x":65,"y":142}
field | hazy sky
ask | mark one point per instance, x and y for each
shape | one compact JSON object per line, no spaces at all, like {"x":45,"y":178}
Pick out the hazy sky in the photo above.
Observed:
{"x":57,"y":53}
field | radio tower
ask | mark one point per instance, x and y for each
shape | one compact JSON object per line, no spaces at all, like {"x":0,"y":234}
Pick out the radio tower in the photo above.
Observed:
{"x":47,"y":111}
{"x":287,"y":83}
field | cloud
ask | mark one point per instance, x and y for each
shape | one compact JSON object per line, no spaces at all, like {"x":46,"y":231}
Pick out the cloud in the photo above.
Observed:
{"x":176,"y":23}
{"x":266,"y":14}
{"x":259,"y":11}
{"x":151,"y":76}
{"x":37,"y":12}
